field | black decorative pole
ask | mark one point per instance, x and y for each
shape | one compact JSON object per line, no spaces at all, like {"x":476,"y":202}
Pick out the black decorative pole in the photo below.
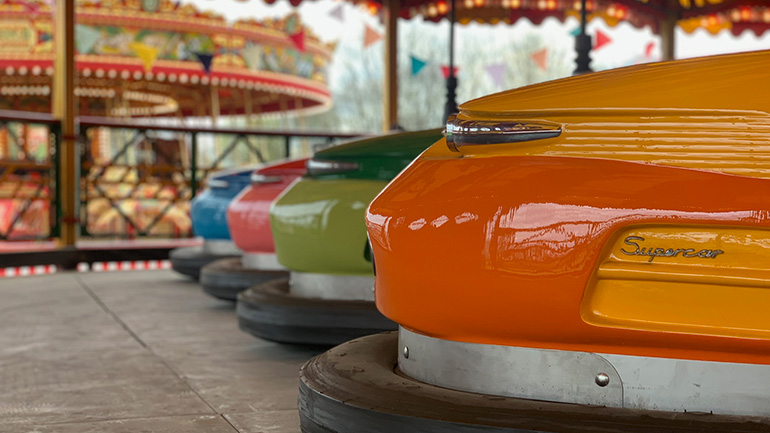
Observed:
{"x":583,"y":43}
{"x":451,"y":80}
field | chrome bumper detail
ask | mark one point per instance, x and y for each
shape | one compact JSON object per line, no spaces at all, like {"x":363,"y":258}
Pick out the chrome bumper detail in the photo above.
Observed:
{"x":633,"y":382}
{"x":220,"y":247}
{"x":329,"y":286}
{"x":261,"y":261}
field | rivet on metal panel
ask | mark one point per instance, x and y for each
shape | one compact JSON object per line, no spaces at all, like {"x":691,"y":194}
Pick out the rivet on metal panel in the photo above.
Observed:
{"x":602,"y":379}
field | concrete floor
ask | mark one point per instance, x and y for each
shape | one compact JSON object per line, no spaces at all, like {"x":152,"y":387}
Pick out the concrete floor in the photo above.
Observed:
{"x":142,"y":351}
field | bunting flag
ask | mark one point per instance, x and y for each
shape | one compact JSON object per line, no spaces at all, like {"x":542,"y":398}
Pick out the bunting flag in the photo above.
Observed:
{"x":575,"y":32}
{"x":370,"y":36}
{"x":540,"y":58}
{"x":85,"y":38}
{"x":601,"y":40}
{"x":417,"y":65}
{"x":497,"y":72}
{"x":445,"y":71}
{"x":252,"y":55}
{"x":145,"y":52}
{"x":338,"y":13}
{"x":205,"y":59}
{"x":299,"y":40}
{"x":636,"y":60}
{"x":648,"y":49}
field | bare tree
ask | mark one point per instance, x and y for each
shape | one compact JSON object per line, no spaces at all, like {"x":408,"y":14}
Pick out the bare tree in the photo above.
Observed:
{"x":359,"y":87}
{"x":521,"y":69}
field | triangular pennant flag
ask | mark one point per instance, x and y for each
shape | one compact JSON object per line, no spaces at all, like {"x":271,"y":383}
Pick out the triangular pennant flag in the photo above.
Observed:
{"x":497,"y":73}
{"x":417,"y":65}
{"x":145,"y":52}
{"x":205,"y":59}
{"x":338,"y":13}
{"x":648,"y":49}
{"x":370,"y":36}
{"x":540,"y":58}
{"x":601,"y":40}
{"x":252,"y":55}
{"x":445,"y":71}
{"x":299,"y":40}
{"x":636,"y":60}
{"x":575,"y":32}
{"x":85,"y":38}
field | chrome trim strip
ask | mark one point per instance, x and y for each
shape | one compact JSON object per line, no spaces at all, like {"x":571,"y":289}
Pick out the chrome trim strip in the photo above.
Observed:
{"x":634,"y":382}
{"x":262,"y":179}
{"x":480,"y":132}
{"x":217,"y":184}
{"x":322,"y":166}
{"x":261,"y":261}
{"x":329,"y":286}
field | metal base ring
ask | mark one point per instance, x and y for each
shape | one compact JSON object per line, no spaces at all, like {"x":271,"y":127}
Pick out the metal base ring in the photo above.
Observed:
{"x":189,"y":260}
{"x":225,"y":278}
{"x":271,"y":312}
{"x":602,"y":379}
{"x":356,"y":387}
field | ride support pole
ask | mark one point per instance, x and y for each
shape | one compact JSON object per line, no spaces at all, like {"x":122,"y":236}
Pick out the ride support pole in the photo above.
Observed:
{"x":668,"y":33}
{"x":64,"y":110}
{"x":390,"y":92}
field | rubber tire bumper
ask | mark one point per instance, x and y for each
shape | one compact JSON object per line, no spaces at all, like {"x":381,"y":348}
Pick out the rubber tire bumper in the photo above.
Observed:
{"x":225,"y":278}
{"x":270,"y":312}
{"x":189,"y":260}
{"x":356,"y":387}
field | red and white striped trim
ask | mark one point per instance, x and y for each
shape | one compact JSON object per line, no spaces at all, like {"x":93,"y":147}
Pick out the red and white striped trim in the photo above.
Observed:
{"x":23,"y":271}
{"x":138,"y":265}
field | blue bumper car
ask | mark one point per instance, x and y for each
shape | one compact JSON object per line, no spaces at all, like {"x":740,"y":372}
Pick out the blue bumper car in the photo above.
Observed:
{"x":209,"y":221}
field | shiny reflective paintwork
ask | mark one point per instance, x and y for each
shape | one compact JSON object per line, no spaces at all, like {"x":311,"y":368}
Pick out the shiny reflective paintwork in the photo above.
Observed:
{"x":642,"y":114}
{"x":208,"y":209}
{"x":700,"y":280}
{"x":378,"y":158}
{"x":248,"y":215}
{"x":318,"y":224}
{"x":520,"y":244}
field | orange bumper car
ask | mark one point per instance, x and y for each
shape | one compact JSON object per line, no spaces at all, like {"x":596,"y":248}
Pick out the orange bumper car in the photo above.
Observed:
{"x":589,"y":254}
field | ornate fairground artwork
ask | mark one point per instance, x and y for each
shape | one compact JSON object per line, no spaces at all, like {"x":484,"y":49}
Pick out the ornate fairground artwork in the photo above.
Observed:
{"x":148,"y":58}
{"x":161,"y":58}
{"x":25,"y":195}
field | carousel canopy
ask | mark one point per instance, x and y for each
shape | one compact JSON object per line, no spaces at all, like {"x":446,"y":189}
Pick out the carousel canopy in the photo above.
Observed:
{"x":161,"y":58}
{"x":712,"y":15}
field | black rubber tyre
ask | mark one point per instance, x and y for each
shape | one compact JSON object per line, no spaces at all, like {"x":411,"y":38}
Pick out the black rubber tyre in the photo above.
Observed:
{"x":225,"y":278}
{"x":356,"y":387}
{"x":189,"y":260}
{"x":269,"y":311}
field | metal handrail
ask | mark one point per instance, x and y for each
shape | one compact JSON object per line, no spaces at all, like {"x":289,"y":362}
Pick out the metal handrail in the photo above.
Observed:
{"x":193,"y":172}
{"x":93,"y":121}
{"x":28,"y":117}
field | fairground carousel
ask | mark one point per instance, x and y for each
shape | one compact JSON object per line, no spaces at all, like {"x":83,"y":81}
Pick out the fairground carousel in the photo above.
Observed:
{"x":143,"y":59}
